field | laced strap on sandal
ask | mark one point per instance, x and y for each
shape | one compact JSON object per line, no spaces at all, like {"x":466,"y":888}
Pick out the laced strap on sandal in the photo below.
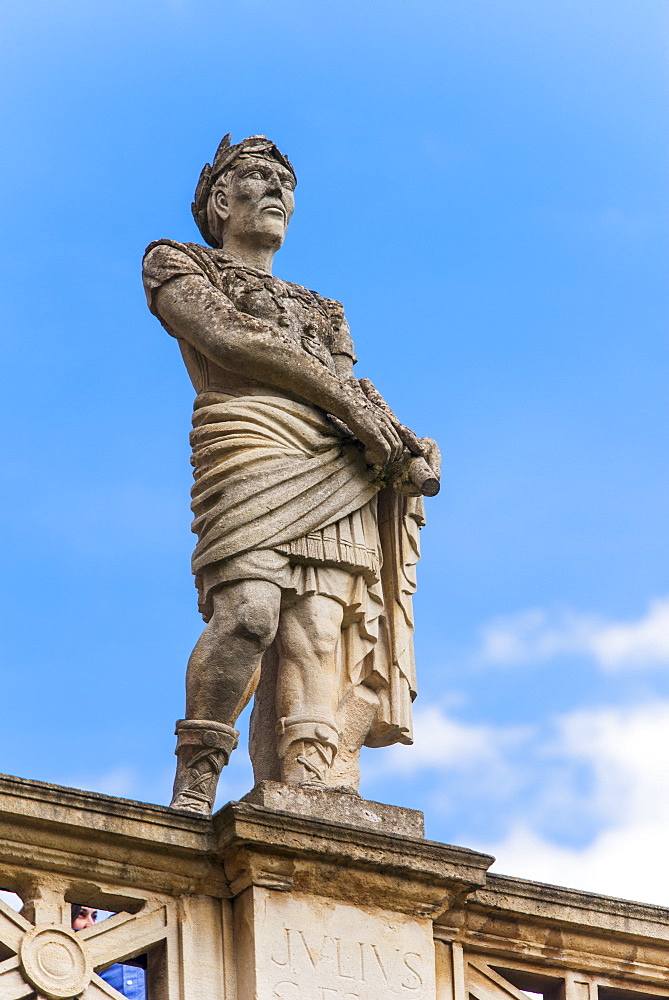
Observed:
{"x":307,"y":748}
{"x":203,"y":749}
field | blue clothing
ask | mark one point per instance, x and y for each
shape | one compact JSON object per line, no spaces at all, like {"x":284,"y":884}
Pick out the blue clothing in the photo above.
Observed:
{"x":127,"y":979}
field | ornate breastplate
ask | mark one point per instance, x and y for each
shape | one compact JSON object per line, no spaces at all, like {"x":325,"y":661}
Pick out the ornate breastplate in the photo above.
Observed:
{"x":298,"y":312}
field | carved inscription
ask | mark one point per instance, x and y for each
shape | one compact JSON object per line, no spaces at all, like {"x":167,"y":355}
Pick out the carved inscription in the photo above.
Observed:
{"x":340,"y":952}
{"x":346,"y":969}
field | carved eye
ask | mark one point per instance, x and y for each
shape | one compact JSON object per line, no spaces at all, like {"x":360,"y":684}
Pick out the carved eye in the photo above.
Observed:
{"x":256,"y":174}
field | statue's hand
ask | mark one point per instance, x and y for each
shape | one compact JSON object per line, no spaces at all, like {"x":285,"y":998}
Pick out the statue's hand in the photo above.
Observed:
{"x":372,"y":427}
{"x":432,"y":454}
{"x":416,"y":475}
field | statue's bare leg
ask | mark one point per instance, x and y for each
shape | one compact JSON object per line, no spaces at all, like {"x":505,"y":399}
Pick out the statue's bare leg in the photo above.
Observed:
{"x":223,"y":668}
{"x":308,"y":689}
{"x":223,"y":673}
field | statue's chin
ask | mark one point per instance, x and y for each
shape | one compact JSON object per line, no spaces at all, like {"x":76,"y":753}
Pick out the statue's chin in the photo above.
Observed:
{"x":262,"y":237}
{"x":267,"y":223}
{"x":271,"y":230}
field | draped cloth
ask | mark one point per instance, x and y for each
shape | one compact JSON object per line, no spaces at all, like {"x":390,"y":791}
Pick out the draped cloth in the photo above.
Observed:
{"x":279,"y":495}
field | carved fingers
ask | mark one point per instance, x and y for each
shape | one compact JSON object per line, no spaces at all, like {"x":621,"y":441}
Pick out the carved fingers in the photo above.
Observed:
{"x":432,"y":453}
{"x":390,"y":435}
{"x":373,"y":427}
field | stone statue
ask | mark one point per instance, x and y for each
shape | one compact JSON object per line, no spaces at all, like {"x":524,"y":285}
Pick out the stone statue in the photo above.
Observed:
{"x":307,"y":501}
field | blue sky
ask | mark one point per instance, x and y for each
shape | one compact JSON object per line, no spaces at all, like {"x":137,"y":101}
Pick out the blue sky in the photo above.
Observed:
{"x":483,"y":184}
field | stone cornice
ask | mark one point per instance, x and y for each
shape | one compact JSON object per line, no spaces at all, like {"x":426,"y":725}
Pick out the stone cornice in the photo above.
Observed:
{"x":282,"y":850}
{"x":78,"y":834}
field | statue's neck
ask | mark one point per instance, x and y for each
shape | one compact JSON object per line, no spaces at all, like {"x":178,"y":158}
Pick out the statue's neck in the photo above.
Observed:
{"x":260,"y":258}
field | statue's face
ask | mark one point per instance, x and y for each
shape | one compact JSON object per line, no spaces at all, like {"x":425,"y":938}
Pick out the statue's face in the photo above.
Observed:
{"x":256,"y":201}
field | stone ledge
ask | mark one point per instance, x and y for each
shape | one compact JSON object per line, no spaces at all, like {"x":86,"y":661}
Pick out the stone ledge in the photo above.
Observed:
{"x":67,"y":806}
{"x":282,"y":850}
{"x":87,"y":835}
{"x":571,"y":905}
{"x":534,"y":924}
{"x":79,"y":835}
{"x":76,"y":835}
{"x":243,"y":823}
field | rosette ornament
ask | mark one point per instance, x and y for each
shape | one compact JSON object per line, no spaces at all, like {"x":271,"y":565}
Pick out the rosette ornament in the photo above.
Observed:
{"x":50,"y":961}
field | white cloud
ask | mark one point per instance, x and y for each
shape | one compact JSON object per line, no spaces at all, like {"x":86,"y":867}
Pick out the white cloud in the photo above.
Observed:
{"x":457,"y":765}
{"x":640,"y":643}
{"x":536,"y":635}
{"x":581,"y":801}
{"x":460,"y":758}
{"x":626,"y":752}
{"x":443,"y":742}
{"x":626,"y":861}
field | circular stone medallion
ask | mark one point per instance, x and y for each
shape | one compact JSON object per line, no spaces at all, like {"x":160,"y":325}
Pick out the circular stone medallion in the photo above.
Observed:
{"x":54,"y":962}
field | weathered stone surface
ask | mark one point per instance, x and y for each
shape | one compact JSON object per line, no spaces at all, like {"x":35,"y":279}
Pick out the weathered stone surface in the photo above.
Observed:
{"x":212,"y":903}
{"x":55,"y":962}
{"x":336,"y":807}
{"x":361,"y":865}
{"x":536,"y":924}
{"x":297,"y":947}
{"x":307,"y":501}
{"x":84,"y":840}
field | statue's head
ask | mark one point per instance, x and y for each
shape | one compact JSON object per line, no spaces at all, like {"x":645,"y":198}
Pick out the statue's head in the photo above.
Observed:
{"x":246,"y":192}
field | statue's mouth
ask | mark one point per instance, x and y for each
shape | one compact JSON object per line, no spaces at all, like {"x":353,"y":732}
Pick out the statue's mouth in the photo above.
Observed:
{"x":275,"y":208}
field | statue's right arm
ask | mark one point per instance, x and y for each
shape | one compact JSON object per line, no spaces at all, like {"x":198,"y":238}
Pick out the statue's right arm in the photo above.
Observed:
{"x":197,"y":312}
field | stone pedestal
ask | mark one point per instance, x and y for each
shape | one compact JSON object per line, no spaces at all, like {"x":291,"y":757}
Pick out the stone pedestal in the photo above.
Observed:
{"x":337,"y":807}
{"x":353,"y":919}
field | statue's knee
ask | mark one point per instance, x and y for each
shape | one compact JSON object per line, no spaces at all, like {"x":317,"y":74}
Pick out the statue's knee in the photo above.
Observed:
{"x":246,"y":612}
{"x":256,"y":621}
{"x":256,"y":627}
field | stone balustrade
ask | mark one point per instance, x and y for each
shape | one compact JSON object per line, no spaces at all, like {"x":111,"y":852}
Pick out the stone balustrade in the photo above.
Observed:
{"x":296,"y":895}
